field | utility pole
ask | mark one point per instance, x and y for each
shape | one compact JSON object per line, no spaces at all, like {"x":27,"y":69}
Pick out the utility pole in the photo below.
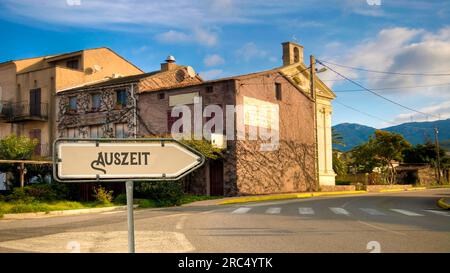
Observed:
{"x":438,"y":156}
{"x":312,"y":79}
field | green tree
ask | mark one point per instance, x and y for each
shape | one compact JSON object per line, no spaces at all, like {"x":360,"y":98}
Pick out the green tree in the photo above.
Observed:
{"x":389,"y":147}
{"x":337,"y":138}
{"x":339,"y":164}
{"x":382,"y":149}
{"x":17,"y":147}
{"x":422,"y":153}
{"x":364,"y":157}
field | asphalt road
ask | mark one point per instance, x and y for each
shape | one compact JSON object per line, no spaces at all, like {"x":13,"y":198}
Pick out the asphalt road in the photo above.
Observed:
{"x":391,"y":222}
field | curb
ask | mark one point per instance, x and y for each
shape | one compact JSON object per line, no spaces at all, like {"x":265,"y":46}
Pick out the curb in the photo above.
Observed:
{"x":443,"y":204}
{"x":306,"y":195}
{"x":37,"y":215}
{"x":286,"y":196}
{"x":407,"y":189}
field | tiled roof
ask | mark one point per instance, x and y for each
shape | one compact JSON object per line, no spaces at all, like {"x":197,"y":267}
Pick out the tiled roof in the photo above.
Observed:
{"x":148,"y":82}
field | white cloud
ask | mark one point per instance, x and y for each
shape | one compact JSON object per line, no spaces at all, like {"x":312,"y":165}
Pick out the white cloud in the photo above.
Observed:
{"x":399,"y":50}
{"x":213,"y":60}
{"x":440,"y":110}
{"x":211,"y":74}
{"x":250,"y":51}
{"x":173,"y":36}
{"x":203,"y":36}
{"x":198,"y":35}
{"x":187,"y":14}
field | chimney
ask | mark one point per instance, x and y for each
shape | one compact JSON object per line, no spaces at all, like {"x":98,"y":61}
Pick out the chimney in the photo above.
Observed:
{"x":169,"y":64}
{"x":292,"y":53}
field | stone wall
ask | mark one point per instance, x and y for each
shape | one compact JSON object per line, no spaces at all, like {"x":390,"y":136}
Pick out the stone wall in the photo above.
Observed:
{"x":106,"y":115}
{"x":376,"y":188}
{"x":290,"y":168}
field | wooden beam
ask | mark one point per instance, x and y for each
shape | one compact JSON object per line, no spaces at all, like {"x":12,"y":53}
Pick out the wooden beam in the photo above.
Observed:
{"x":33,"y":162}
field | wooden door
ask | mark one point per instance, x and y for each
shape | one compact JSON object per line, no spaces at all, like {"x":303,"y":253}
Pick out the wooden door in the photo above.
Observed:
{"x":216,"y":177}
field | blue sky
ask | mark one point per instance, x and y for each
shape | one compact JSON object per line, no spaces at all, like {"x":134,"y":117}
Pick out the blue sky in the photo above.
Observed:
{"x":221,"y":38}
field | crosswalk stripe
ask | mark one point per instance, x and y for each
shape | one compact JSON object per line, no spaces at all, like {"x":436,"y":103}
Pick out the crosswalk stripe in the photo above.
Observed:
{"x":438,"y":212}
{"x":339,"y":211}
{"x":372,"y":211}
{"x":306,"y":211}
{"x":273,"y":210}
{"x":241,"y":210}
{"x":406,"y":212}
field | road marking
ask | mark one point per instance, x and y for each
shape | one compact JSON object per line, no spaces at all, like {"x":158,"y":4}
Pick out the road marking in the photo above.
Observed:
{"x":273,"y":210}
{"x":306,"y":211}
{"x":372,"y":211}
{"x":406,"y":212}
{"x":241,"y":210}
{"x":181,"y":222}
{"x":112,"y":212}
{"x":381,"y":228}
{"x":438,"y":212}
{"x":340,"y":211}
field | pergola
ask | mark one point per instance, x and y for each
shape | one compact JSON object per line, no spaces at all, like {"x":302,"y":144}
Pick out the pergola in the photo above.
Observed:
{"x":22,"y":166}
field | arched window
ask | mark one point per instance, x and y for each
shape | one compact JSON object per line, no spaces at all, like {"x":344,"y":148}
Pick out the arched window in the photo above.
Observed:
{"x":296,"y":55}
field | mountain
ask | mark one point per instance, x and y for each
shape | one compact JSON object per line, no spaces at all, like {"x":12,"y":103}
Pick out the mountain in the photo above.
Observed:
{"x":415,"y":132}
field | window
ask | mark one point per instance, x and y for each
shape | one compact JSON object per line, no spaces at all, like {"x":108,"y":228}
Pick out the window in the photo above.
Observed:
{"x":72,"y":133}
{"x":96,"y":131}
{"x":278,"y":91}
{"x":209,"y":89}
{"x":96,"y":99}
{"x":161,"y":96}
{"x":121,"y":130}
{"x":73,"y":103}
{"x":72,"y":64}
{"x":296,"y":55}
{"x":121,"y":97}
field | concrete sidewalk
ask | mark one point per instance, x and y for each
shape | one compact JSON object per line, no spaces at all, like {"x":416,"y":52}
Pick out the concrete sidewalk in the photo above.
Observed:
{"x":35,"y":215}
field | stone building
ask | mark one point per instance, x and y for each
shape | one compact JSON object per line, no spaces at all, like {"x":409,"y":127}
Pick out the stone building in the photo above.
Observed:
{"x":28,"y":88}
{"x":300,"y":160}
{"x":108,"y":109}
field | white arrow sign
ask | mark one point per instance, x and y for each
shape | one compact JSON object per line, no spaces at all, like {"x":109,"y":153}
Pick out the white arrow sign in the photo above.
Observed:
{"x":123,"y":159}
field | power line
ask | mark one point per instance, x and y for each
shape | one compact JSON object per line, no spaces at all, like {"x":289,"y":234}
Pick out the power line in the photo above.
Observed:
{"x":375,"y":93}
{"x":389,"y":72}
{"x":394,"y":88}
{"x":378,"y":118}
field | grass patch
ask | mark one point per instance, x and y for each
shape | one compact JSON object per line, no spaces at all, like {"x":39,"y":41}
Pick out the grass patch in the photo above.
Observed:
{"x":439,"y":186}
{"x":146,"y":203}
{"x":40,"y":206}
{"x":186,"y":199}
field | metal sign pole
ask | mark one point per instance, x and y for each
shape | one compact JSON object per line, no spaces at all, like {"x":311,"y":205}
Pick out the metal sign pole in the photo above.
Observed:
{"x":130,"y":212}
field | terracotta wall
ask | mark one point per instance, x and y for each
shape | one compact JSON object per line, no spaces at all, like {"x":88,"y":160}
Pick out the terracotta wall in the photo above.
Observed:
{"x":291,"y":167}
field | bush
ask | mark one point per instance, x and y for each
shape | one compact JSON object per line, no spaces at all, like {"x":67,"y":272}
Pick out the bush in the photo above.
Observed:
{"x":17,"y":147}
{"x":102,"y":195}
{"x":41,"y":192}
{"x":167,"y":193}
{"x":121,"y":199}
{"x":20,"y":195}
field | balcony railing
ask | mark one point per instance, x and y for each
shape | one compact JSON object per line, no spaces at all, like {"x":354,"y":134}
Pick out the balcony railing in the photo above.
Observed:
{"x":16,"y":112}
